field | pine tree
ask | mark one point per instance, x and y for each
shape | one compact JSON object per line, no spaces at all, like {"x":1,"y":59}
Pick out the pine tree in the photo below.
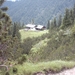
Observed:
{"x":59,"y":20}
{"x":55,"y":22}
{"x":74,"y":11}
{"x":5,"y":23}
{"x":14,"y":30}
{"x":10,"y":47}
{"x":66,"y":19}
{"x":1,"y":2}
{"x":71,"y":17}
{"x":48,"y":24}
{"x":32,"y":21}
{"x":51,"y":24}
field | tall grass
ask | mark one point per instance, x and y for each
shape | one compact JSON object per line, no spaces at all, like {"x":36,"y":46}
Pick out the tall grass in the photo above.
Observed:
{"x":55,"y":66}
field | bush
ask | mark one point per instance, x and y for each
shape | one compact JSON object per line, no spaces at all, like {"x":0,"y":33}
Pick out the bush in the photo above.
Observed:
{"x":73,"y":31}
{"x":15,"y":70}
{"x":22,"y":59}
{"x":20,"y":62}
{"x":7,"y":73}
{"x":27,"y":45}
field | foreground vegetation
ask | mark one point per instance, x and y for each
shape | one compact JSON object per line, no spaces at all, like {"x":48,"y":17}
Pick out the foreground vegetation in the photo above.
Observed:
{"x":40,"y":49}
{"x":54,"y":66}
{"x":42,"y":67}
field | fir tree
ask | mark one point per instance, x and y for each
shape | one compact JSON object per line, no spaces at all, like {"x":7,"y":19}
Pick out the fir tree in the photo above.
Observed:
{"x":32,"y":21}
{"x":71,"y":17}
{"x":59,"y":20}
{"x":9,"y":47}
{"x":14,"y":30}
{"x":48,"y":24}
{"x":5,"y":23}
{"x":74,"y":11}
{"x":66,"y":19}
{"x":55,"y":22}
{"x":1,"y":2}
{"x":51,"y":24}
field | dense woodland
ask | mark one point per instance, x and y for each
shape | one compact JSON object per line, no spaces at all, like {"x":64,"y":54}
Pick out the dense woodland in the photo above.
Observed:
{"x":42,"y":11}
{"x":57,"y":44}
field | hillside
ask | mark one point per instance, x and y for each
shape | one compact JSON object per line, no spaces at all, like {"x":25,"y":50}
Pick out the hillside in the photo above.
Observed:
{"x":39,"y":52}
{"x":40,"y":11}
{"x":31,"y":34}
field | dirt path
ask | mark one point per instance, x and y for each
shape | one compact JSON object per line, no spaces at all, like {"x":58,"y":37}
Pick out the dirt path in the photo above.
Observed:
{"x":66,"y":72}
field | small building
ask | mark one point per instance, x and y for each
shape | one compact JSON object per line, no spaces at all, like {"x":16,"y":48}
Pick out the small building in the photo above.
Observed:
{"x":30,"y":26}
{"x":40,"y":27}
{"x":34,"y":27}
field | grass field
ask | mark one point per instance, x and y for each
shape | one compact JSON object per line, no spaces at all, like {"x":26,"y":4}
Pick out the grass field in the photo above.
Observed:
{"x":56,"y":66}
{"x":25,"y":34}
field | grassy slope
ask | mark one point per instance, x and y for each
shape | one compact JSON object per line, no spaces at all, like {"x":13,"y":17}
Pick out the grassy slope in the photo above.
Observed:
{"x":25,"y":34}
{"x":39,"y":45}
{"x":36,"y":50}
{"x":56,"y":66}
{"x":59,"y":46}
{"x":29,"y":68}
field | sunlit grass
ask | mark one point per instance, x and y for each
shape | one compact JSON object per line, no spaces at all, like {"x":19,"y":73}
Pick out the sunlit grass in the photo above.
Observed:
{"x":30,"y":68}
{"x":25,"y":34}
{"x":39,"y":45}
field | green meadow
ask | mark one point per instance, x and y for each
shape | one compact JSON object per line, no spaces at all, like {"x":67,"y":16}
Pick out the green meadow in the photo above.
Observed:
{"x":25,"y":34}
{"x":31,"y":68}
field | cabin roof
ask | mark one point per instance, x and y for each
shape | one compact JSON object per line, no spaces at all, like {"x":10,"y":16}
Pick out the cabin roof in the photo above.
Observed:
{"x":30,"y":25}
{"x":39,"y":26}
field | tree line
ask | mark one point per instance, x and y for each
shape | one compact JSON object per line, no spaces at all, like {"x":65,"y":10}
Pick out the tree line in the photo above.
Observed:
{"x":63,"y":21}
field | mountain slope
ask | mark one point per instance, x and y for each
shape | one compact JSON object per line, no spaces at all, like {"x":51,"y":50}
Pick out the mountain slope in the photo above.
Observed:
{"x":39,"y":10}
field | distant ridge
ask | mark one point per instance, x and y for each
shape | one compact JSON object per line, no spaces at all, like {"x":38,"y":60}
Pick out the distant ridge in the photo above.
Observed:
{"x":39,"y":10}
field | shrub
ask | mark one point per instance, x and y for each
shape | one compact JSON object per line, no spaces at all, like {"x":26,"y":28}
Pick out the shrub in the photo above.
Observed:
{"x":73,"y":31}
{"x":7,"y":73}
{"x":22,"y":59}
{"x":20,"y":62}
{"x":15,"y":70}
{"x":27,"y":45}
